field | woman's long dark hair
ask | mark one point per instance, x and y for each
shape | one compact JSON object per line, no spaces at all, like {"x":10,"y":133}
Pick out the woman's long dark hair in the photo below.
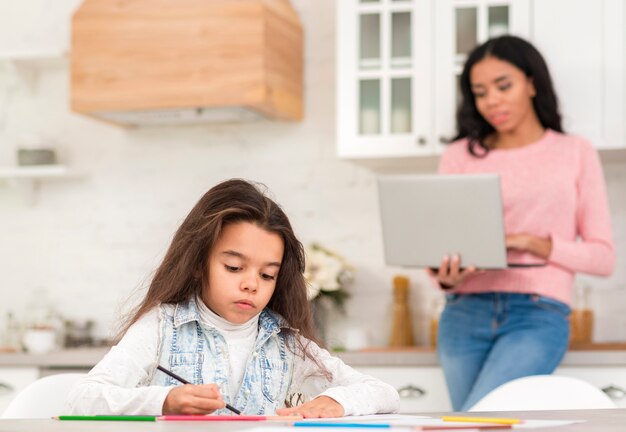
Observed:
{"x":528,"y":59}
{"x":183,"y":273}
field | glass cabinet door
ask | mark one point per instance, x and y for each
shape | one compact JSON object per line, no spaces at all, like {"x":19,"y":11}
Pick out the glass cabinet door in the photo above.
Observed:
{"x":369,"y":106}
{"x":369,"y":69}
{"x":497,"y":20}
{"x":384,"y":69}
{"x":401,"y":105}
{"x":400,"y":39}
{"x":466,"y":26}
{"x":475,"y":22}
{"x":384,"y":77}
{"x":400,"y":65}
{"x":369,"y":41}
{"x":461,"y":26}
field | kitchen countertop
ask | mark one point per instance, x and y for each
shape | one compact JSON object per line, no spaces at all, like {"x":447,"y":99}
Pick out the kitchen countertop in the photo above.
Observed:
{"x":76,"y":358}
{"x":584,"y":355}
{"x":613,"y":354}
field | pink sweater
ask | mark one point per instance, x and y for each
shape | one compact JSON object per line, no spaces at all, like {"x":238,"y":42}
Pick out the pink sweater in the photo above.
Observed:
{"x":553,"y":187}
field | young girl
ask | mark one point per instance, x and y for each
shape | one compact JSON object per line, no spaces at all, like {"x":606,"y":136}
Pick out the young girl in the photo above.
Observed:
{"x":227,"y":311}
{"x":505,"y":324}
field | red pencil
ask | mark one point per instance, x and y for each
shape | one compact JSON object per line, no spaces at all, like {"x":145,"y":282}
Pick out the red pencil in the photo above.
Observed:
{"x":455,"y":427}
{"x":228,"y":418}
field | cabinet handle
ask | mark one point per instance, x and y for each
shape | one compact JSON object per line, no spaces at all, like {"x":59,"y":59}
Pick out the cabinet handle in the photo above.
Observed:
{"x":6,"y":388}
{"x":411,"y":392}
{"x":422,"y":141}
{"x":444,"y":140}
{"x":614,"y":392}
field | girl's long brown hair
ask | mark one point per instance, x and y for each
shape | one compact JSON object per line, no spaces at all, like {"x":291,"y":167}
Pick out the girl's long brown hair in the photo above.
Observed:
{"x":183,"y":272}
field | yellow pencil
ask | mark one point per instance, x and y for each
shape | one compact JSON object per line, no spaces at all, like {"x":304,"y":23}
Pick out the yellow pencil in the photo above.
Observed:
{"x":508,"y":421}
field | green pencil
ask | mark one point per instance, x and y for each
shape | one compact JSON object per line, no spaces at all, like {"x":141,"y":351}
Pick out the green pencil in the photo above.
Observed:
{"x":108,"y":418}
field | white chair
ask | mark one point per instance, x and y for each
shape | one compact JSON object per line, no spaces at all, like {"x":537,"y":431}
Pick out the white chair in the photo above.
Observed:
{"x":43,"y":398}
{"x":544,"y":392}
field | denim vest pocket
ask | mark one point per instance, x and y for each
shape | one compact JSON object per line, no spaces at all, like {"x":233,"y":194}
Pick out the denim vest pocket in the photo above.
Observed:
{"x":187,"y":366}
{"x":272,"y":376}
{"x":551,"y":304}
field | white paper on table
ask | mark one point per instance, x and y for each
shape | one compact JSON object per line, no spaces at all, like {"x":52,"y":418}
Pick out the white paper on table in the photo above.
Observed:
{"x":393,"y":419}
{"x":534,"y":424}
{"x":400,"y":420}
{"x":402,"y":423}
{"x":416,"y":421}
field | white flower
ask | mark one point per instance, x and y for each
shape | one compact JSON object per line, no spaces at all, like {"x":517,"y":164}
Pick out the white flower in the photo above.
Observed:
{"x":325,"y":271}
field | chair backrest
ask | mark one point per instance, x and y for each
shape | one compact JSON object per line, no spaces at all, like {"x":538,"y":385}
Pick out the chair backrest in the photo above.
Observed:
{"x":43,"y":398}
{"x":544,"y":392}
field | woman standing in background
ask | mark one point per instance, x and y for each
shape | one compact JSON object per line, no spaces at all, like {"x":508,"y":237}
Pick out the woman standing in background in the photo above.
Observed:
{"x":504,"y":324}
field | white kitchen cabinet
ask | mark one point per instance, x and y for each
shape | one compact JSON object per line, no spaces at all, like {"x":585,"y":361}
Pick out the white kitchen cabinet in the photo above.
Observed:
{"x":13,"y":380}
{"x":461,"y":25}
{"x":585,"y":52}
{"x":398,"y":66}
{"x":421,"y":388}
{"x":610,"y":379}
{"x":399,"y":61}
{"x":384,"y":71}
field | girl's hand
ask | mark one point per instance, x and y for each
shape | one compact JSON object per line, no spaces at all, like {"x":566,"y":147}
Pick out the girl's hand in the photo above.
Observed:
{"x":193,"y":399}
{"x":541,"y":247}
{"x":450,"y":273}
{"x":322,"y":406}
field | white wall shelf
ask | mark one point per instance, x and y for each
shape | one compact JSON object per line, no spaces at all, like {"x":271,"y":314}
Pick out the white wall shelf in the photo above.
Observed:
{"x":37,"y":172}
{"x":33,"y":57}
{"x":26,"y":64}
{"x":30,"y":178}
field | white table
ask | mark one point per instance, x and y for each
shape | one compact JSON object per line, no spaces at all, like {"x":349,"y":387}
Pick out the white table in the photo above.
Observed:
{"x":595,"y":421}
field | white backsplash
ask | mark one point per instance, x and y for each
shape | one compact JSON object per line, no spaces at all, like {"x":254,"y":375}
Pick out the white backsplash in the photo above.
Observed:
{"x":90,"y":243}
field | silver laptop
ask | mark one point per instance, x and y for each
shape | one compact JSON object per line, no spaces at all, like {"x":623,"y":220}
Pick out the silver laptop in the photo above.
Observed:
{"x":425,"y":217}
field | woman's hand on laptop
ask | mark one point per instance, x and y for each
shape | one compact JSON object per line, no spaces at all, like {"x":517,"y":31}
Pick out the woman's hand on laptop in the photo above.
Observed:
{"x":538,"y":246}
{"x":450,"y":273}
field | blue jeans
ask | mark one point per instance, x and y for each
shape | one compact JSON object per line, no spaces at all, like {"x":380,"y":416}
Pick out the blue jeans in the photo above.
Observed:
{"x":488,"y":339}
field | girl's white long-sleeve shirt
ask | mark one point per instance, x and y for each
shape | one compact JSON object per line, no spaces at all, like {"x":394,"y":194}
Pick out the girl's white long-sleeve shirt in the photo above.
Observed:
{"x":118,"y":383}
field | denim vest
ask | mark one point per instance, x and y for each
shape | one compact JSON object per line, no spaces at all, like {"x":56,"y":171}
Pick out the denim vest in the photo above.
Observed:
{"x":199,"y":353}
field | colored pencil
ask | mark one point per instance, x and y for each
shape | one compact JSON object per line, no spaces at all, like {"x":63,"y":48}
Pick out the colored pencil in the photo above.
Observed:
{"x":229,"y":418}
{"x":107,"y":417}
{"x":413,"y":428}
{"x":184,"y":381}
{"x":342,"y":425}
{"x":509,"y":421}
{"x":467,"y":426}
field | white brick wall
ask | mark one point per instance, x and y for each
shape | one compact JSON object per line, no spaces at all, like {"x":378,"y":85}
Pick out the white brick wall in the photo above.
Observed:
{"x":88,"y":244}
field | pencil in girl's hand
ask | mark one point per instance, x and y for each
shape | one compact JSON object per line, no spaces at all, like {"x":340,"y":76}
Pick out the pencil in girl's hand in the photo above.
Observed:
{"x":173,"y":375}
{"x":184,"y":381}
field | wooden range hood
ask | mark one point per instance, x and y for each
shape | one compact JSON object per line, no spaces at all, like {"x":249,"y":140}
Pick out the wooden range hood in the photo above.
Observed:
{"x":137,"y":62}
